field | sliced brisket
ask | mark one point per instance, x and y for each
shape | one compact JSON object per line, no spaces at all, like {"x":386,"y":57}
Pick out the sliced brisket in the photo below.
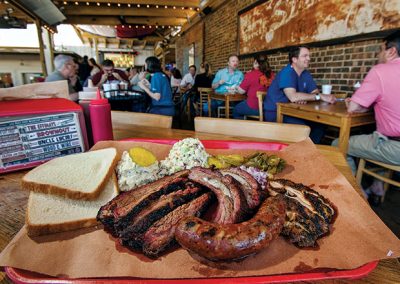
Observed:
{"x":131,"y":231}
{"x":160,"y":236}
{"x":129,"y":203}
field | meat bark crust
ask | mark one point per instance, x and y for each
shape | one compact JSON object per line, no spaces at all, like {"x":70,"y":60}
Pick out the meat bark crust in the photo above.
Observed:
{"x":160,"y":236}
{"x":227,"y":242}
{"x":232,"y":205}
{"x":122,"y":205}
{"x":132,"y":234}
{"x":308,"y":215}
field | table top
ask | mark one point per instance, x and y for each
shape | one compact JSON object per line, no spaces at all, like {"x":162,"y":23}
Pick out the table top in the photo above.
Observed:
{"x":337,"y":109}
{"x":14,"y":200}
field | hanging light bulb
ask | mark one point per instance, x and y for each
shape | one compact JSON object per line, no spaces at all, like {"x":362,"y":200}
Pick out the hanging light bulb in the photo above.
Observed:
{"x":65,"y":3}
{"x":165,"y":6}
{"x":157,"y":6}
{"x":174,"y":7}
{"x":87,"y":3}
{"x":148,"y":6}
{"x":76,"y":3}
{"x":119,"y":5}
{"x":98,"y":4}
{"x":129,"y":5}
{"x":138,"y":5}
{"x":183,"y":8}
{"x":108,"y":4}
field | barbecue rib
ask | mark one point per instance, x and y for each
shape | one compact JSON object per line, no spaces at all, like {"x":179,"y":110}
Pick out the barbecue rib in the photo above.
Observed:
{"x":160,"y":236}
{"x":232,"y":206}
{"x":248,"y":184}
{"x":308,"y":214}
{"x":129,"y":203}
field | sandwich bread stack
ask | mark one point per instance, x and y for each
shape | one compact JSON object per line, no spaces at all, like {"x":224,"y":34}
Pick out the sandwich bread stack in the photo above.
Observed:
{"x":67,"y":192}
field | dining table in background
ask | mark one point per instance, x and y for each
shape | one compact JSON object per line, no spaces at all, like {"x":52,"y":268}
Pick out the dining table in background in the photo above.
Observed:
{"x":227,"y":98}
{"x":329,"y":114}
{"x":14,"y":199}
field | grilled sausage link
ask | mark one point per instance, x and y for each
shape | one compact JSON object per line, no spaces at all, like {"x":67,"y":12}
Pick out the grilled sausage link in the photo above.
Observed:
{"x":226,"y":242}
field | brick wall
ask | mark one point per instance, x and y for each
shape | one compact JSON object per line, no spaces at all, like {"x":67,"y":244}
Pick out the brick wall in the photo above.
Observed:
{"x":340,"y":65}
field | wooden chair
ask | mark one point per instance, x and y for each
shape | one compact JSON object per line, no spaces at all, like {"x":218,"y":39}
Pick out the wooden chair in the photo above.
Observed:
{"x":203,"y":99}
{"x":374,"y":171}
{"x":221,"y":111}
{"x":260,"y":95}
{"x":138,"y":118}
{"x":257,"y":129}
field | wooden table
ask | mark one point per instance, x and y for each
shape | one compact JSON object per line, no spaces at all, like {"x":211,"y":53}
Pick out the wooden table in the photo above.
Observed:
{"x":13,"y":200}
{"x":330,"y":114}
{"x":227,"y":98}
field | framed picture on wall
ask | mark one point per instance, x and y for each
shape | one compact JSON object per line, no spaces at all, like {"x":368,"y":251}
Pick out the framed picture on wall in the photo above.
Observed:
{"x":274,"y":24}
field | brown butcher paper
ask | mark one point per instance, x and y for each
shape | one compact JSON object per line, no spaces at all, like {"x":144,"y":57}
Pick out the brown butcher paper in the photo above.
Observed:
{"x":358,"y":236}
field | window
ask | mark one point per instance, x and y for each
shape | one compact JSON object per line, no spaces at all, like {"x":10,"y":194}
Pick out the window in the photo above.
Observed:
{"x":191,"y":55}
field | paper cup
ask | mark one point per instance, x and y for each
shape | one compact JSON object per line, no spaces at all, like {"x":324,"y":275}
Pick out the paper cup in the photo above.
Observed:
{"x":106,"y":87}
{"x":326,"y":89}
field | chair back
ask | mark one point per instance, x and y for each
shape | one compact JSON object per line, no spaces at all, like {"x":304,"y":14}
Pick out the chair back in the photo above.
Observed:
{"x":256,"y":129}
{"x":260,"y":96}
{"x":138,"y":118}
{"x":203,"y":98}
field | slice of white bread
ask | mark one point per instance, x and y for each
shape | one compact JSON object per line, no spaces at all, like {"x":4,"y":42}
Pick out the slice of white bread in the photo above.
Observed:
{"x":78,"y":176}
{"x":48,"y":213}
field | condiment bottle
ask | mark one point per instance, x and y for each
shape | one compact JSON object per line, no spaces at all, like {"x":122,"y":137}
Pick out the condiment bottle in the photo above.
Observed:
{"x":100,"y":117}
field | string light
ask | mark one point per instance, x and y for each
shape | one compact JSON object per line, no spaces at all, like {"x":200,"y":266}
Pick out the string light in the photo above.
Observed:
{"x":174,"y":7}
{"x":123,"y":26}
{"x":129,"y":5}
{"x":157,"y":6}
{"x":183,"y":8}
{"x":115,"y":26}
{"x":130,"y":26}
{"x":108,"y":4}
{"x":190,"y":8}
{"x":156,"y":27}
{"x":138,"y":5}
{"x":143,"y":26}
{"x":137,"y":26}
{"x":148,"y":6}
{"x":98,"y":4}
{"x":76,"y":3}
{"x":87,"y":3}
{"x":65,"y":3}
{"x":119,"y":5}
{"x":165,"y":6}
{"x":150,"y":27}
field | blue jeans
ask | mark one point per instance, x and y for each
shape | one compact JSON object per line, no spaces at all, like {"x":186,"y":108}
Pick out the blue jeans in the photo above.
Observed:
{"x":242,"y":109}
{"x":317,"y":129}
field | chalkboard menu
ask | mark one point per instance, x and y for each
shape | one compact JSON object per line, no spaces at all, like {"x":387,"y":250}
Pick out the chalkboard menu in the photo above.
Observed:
{"x":26,"y":140}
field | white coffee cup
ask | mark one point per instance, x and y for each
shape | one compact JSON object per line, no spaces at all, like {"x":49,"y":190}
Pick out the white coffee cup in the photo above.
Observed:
{"x":114,"y":86}
{"x":106,"y":87}
{"x":326,"y":89}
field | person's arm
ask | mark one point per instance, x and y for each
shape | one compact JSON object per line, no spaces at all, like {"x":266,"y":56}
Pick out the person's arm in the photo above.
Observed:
{"x":145,"y":86}
{"x":353,"y":107}
{"x":103,"y":78}
{"x":120,"y":77}
{"x":244,"y":85}
{"x":217,"y":81}
{"x":298,"y":97}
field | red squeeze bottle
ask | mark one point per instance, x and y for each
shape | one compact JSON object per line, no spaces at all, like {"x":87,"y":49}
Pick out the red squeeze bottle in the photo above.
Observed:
{"x":100,"y":117}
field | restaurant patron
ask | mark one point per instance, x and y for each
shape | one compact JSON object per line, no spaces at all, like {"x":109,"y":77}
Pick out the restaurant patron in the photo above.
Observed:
{"x":294,"y":83}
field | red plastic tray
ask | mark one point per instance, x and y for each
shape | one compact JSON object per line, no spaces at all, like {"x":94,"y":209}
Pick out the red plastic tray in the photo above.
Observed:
{"x":23,"y":276}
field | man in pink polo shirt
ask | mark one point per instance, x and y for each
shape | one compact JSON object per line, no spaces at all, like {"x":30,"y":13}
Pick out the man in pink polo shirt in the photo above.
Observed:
{"x":380,"y":90}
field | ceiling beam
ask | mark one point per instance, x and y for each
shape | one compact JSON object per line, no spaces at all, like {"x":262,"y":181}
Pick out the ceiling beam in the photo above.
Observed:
{"x":92,"y":20}
{"x":142,"y":12}
{"x":177,"y":3}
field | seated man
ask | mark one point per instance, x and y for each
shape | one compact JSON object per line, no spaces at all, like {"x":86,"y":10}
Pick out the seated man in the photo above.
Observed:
{"x":229,"y":77}
{"x":65,"y":69}
{"x":226,"y":80}
{"x":108,"y":74}
{"x":188,"y":80}
{"x":295,"y":84}
{"x":380,"y":90}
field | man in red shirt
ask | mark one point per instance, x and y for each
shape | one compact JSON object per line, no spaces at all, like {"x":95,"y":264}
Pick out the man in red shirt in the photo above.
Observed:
{"x":109,"y":74}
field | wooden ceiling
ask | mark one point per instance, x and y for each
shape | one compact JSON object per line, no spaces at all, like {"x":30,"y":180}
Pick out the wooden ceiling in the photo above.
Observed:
{"x":129,"y":12}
